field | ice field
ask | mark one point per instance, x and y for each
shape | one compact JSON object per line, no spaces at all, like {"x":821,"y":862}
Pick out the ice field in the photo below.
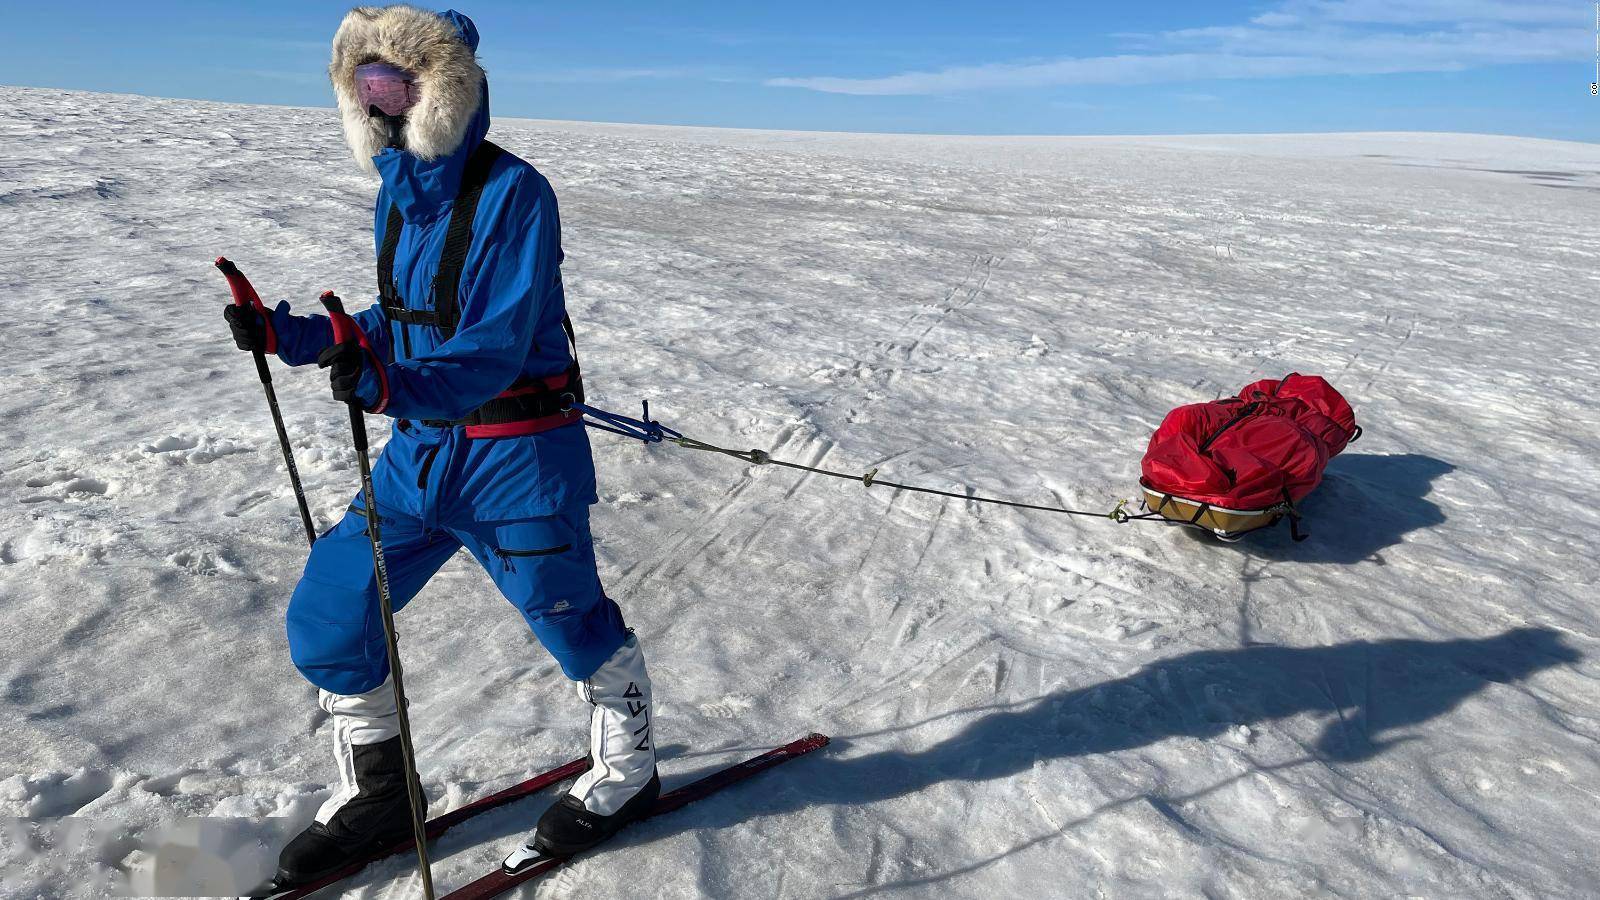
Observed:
{"x":1023,"y":704}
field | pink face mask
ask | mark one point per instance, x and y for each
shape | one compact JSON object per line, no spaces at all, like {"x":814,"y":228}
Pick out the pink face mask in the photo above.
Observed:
{"x":389,"y":90}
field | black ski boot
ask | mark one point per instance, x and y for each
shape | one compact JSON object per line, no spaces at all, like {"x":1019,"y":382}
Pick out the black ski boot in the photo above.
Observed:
{"x":377,"y":818}
{"x":621,"y":750}
{"x":567,"y":828}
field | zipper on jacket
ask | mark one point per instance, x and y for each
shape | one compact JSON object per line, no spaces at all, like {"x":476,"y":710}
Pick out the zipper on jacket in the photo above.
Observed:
{"x":427,"y":463}
{"x":507,"y":555}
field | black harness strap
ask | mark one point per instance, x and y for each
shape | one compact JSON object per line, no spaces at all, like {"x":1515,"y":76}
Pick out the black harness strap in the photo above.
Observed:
{"x":391,"y":240}
{"x":520,"y":407}
{"x":388,"y":295}
{"x":518,"y":404}
{"x":453,"y":258}
{"x":527,"y":399}
{"x":446,"y":312}
{"x":411,"y":316}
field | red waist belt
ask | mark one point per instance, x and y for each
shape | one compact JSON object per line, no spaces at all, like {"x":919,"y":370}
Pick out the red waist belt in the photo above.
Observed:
{"x":527,"y":407}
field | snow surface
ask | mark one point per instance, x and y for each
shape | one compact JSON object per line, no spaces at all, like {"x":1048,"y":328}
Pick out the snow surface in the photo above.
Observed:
{"x":1022,"y":704}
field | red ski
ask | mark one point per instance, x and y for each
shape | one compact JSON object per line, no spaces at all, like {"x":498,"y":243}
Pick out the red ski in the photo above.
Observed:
{"x":498,"y":882}
{"x":438,"y":826}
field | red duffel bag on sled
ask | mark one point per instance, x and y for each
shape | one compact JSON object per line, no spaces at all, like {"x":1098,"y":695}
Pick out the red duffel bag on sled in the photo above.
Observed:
{"x":1235,"y":465}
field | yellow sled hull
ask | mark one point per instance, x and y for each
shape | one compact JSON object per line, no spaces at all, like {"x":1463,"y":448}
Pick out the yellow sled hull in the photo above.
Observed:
{"x":1227,"y":524}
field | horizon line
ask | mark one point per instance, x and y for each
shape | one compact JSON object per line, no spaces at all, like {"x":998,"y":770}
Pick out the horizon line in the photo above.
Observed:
{"x":331,"y":107}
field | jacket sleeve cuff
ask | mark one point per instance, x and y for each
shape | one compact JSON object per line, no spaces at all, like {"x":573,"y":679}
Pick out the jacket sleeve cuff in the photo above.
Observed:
{"x":373,"y":388}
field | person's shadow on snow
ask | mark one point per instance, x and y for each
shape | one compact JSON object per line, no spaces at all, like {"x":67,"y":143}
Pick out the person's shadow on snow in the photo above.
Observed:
{"x":1371,"y":693}
{"x":1366,"y":503}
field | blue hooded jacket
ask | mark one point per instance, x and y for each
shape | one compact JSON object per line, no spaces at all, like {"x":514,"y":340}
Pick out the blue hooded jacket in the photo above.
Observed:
{"x":511,"y":308}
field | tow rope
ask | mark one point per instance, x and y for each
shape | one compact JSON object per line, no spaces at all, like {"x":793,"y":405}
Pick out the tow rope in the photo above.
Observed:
{"x":650,"y":431}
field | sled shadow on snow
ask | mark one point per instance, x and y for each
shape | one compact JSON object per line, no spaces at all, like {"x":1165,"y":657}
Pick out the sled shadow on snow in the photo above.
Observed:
{"x":1369,"y":692}
{"x":1367,"y":502}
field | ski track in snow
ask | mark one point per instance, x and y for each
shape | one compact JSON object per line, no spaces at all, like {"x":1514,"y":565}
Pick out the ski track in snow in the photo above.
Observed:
{"x":1023,"y":704}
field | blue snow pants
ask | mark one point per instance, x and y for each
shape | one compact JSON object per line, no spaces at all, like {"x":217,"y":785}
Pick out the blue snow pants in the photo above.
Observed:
{"x":544,"y":565}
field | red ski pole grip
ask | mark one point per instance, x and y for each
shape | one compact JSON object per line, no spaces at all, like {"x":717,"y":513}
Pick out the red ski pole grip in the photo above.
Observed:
{"x":238,"y":285}
{"x":344,"y":327}
{"x":244,"y":294}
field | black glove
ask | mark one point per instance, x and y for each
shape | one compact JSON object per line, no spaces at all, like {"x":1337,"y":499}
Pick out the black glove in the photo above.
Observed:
{"x":344,"y":363}
{"x":249,"y":331}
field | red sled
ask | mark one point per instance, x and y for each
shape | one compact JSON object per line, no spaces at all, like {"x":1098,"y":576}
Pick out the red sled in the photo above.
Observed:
{"x":1235,"y":465}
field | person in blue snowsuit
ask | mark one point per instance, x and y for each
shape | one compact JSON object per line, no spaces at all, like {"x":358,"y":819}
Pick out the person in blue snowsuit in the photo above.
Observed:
{"x":477,"y":368}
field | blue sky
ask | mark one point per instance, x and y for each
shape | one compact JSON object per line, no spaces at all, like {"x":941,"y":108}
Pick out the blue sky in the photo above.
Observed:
{"x":1497,"y":66}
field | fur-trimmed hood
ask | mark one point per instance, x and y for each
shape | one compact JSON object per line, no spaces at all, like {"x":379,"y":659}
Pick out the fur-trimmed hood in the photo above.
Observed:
{"x":440,"y":48}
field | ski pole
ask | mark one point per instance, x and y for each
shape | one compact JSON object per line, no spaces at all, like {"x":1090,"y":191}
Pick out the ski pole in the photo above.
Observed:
{"x":345,"y":329}
{"x":245,"y":295}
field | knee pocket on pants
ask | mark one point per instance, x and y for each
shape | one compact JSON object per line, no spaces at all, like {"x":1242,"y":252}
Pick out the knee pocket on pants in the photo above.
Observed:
{"x":526,"y":543}
{"x":545,"y":567}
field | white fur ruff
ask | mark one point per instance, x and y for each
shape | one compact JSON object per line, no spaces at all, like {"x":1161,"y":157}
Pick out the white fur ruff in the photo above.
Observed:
{"x":448,"y":75}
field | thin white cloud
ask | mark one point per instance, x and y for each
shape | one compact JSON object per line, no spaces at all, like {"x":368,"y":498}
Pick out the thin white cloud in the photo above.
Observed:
{"x":1296,"y":38}
{"x":1424,"y":12}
